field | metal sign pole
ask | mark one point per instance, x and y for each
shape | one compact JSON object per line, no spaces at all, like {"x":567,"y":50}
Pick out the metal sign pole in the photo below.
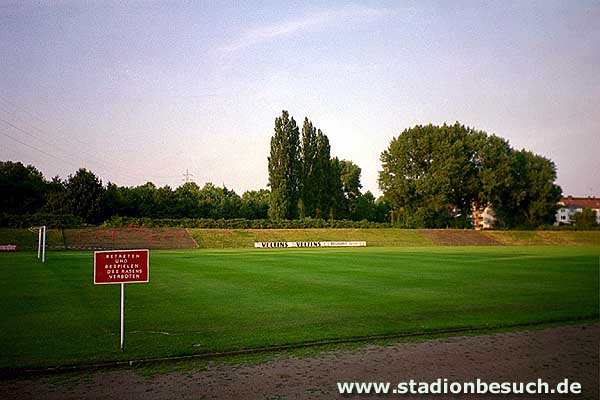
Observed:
{"x":122,"y":315}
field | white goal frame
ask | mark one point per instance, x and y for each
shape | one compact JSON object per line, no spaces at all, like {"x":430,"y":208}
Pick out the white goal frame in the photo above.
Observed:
{"x":41,"y":254}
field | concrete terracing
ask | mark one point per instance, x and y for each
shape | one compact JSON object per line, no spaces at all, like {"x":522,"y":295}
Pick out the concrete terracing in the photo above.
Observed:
{"x":456,"y":237}
{"x":128,"y":238}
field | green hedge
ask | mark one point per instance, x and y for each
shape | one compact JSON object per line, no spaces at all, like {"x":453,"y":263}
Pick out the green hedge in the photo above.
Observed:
{"x":71,"y":221}
{"x":237,"y":223}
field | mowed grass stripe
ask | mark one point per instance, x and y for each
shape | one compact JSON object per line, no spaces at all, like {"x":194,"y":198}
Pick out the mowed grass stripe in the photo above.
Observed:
{"x":201,"y":301}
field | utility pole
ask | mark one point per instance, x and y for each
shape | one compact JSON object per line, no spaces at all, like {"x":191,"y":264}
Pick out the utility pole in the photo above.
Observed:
{"x":186,"y":176}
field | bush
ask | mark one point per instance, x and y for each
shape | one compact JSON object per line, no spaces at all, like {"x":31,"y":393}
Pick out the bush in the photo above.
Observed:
{"x":571,"y":227}
{"x":237,"y":223}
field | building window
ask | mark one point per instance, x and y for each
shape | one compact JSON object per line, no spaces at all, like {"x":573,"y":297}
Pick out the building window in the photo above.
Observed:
{"x":563,"y":217}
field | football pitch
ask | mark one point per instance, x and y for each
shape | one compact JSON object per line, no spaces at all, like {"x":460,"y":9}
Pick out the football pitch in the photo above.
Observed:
{"x":203,"y":301}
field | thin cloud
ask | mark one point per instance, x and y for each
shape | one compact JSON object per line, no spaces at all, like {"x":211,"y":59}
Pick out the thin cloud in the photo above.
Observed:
{"x":318,"y":20}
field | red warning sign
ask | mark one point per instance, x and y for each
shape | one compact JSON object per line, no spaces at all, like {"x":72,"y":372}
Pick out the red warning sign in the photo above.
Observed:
{"x":121,"y":266}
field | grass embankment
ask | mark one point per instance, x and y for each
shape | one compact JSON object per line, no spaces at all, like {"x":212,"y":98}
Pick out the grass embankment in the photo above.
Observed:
{"x":546,"y":238}
{"x":240,"y":238}
{"x":28,"y":240}
{"x":393,"y":237}
{"x":245,"y":238}
{"x":201,"y":301}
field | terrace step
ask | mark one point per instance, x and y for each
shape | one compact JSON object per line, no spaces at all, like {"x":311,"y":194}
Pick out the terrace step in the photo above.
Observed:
{"x":128,"y":238}
{"x":458,"y":237}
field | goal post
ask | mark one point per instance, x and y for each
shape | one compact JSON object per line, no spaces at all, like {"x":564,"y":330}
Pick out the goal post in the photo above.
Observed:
{"x":39,"y":242}
{"x":41,"y":255}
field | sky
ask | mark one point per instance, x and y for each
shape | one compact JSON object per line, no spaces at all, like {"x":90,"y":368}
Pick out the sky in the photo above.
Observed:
{"x":143,"y":91}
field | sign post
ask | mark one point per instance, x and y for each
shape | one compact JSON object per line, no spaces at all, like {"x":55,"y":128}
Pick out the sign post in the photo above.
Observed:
{"x":121,"y":266}
{"x":122,"y":317}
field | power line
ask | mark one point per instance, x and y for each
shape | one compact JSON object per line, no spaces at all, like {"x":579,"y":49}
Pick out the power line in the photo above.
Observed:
{"x":29,"y":134}
{"x":95,"y":160}
{"x":35,"y":117}
{"x":53,"y":145}
{"x":36,"y":149}
{"x":108,"y":167}
{"x":45,"y":152}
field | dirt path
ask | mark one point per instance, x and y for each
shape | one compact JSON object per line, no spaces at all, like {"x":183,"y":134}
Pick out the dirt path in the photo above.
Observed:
{"x":551,"y":354}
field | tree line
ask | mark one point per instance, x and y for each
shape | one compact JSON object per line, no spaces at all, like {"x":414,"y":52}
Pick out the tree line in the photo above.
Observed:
{"x":431,"y":177}
{"x":25,"y":191}
{"x":329,"y":191}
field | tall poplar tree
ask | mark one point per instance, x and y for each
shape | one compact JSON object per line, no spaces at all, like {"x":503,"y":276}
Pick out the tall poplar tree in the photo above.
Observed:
{"x":308,"y":181}
{"x":322,"y":176}
{"x":335,"y":190}
{"x":284,"y":169}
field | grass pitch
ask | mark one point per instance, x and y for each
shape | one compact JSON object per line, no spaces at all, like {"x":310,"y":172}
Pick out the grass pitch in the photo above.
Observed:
{"x":201,"y":301}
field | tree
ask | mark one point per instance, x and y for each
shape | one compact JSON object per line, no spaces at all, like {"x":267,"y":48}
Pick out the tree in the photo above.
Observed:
{"x":585,"y":219}
{"x":350,"y":177}
{"x":428,"y":176}
{"x":404,"y":163}
{"x":146,"y":200}
{"x":56,"y":197}
{"x":494,"y":162}
{"x":322,"y":176}
{"x":305,"y":180}
{"x":210,"y":201}
{"x":534,"y":195}
{"x":334,"y":190}
{"x":231,"y":204}
{"x":255,"y":204}
{"x":364,"y":207}
{"x":284,"y":169}
{"x":22,"y":188}
{"x":164,"y":200}
{"x":85,"y":195}
{"x":187,"y":201}
{"x":382,"y":210}
{"x":308,"y":158}
{"x":114,"y":202}
{"x":432,"y":176}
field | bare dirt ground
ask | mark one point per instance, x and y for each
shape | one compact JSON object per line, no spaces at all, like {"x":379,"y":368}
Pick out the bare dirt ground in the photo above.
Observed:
{"x":551,"y":354}
{"x":458,"y":237}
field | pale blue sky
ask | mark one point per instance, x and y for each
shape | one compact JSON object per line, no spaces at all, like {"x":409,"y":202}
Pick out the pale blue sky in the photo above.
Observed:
{"x":145,"y":90}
